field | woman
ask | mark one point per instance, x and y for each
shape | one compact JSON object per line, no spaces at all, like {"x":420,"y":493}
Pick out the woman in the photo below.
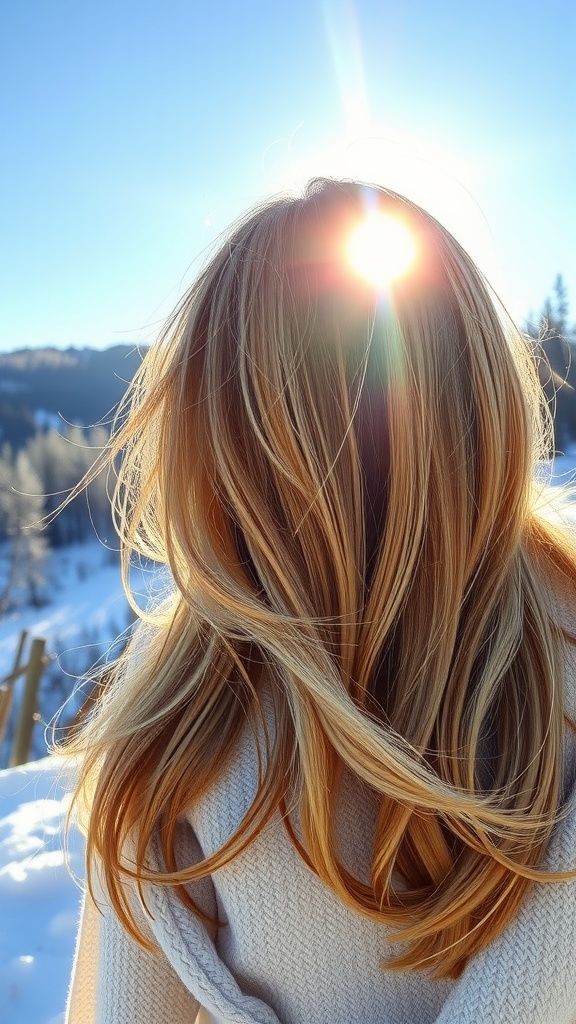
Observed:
{"x":330,"y":778}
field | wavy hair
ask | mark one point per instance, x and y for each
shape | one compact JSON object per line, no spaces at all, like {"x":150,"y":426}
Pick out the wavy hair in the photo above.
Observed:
{"x":340,"y":481}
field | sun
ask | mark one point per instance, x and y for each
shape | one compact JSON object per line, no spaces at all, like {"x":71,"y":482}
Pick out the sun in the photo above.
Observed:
{"x":381,"y":249}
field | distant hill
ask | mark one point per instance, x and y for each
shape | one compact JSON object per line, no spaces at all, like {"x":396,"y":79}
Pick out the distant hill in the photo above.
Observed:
{"x":47,"y":387}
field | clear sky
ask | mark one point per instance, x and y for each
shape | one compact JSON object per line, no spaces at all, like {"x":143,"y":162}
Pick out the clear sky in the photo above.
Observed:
{"x":133,"y":131}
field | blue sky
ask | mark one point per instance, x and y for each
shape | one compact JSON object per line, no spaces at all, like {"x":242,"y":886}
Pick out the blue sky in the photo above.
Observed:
{"x":134,"y":132}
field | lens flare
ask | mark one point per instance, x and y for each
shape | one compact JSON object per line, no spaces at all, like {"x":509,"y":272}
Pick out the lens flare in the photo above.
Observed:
{"x":381,"y":249}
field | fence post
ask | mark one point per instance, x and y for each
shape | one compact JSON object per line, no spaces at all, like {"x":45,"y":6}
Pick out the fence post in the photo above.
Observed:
{"x":28,"y":707}
{"x":7,"y":691}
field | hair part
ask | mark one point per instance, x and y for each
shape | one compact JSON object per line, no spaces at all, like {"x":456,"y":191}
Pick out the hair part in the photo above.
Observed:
{"x":340,"y":482}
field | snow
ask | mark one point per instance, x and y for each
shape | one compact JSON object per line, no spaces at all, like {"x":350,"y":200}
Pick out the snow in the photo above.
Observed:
{"x":86,"y":616}
{"x":87,"y":611}
{"x":85,"y":589}
{"x":39,"y":900}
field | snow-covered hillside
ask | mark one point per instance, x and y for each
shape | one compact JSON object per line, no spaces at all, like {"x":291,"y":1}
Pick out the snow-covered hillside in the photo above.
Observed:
{"x":86,"y":611}
{"x":39,"y":901}
{"x":85,"y":591}
{"x":85,"y":620}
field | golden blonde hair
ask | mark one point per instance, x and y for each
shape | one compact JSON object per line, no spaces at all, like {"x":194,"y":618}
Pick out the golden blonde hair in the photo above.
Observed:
{"x":340,"y":481}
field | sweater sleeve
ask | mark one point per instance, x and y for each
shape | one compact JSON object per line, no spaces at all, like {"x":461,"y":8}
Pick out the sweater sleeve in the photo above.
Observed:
{"x":82,"y":993}
{"x":115,"y":980}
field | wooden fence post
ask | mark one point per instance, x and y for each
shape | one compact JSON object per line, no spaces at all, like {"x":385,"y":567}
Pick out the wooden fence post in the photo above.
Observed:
{"x":7,"y":690}
{"x":25,"y":725}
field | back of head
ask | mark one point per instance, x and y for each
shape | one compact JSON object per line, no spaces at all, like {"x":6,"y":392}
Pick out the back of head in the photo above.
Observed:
{"x":329,"y":432}
{"x":338,"y":474}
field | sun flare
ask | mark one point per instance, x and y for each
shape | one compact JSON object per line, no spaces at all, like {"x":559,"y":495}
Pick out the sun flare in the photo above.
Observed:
{"x":381,"y":249}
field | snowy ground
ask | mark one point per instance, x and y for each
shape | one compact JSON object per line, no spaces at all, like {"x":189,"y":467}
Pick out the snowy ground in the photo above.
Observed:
{"x":86,"y":614}
{"x":84,"y":591}
{"x":38,"y":899}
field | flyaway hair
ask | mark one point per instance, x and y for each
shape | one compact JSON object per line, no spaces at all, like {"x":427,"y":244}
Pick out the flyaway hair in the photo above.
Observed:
{"x":340,"y":479}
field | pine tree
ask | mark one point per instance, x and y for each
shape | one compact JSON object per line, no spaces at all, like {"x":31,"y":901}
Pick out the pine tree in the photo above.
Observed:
{"x":561,"y":306}
{"x":554,"y":344}
{"x":24,"y":550}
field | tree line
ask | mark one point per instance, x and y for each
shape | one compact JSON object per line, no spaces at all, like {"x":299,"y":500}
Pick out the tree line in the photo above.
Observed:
{"x":47,"y":387}
{"x":42,"y":389}
{"x":34,"y":482}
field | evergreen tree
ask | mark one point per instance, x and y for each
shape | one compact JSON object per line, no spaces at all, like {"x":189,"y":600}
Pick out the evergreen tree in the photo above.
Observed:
{"x":553,"y":342}
{"x":61,"y":460}
{"x":560,"y":306}
{"x":24,"y":551}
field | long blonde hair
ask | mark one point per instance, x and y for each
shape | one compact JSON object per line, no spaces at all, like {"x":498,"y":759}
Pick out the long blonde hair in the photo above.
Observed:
{"x":340,"y":481}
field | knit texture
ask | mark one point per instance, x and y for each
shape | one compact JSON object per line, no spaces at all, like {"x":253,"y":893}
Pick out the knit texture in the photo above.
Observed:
{"x":290,"y":952}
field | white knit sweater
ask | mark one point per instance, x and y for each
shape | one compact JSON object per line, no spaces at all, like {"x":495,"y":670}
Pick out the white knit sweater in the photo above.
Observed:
{"x":289,"y":951}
